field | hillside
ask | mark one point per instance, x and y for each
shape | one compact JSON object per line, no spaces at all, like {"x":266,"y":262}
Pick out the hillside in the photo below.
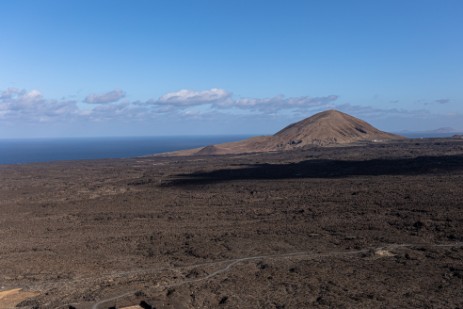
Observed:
{"x":328,"y":128}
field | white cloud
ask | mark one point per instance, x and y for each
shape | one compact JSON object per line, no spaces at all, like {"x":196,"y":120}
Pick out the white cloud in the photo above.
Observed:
{"x":19,"y":104}
{"x":105,"y":98}
{"x":32,"y":95}
{"x":186,"y":97}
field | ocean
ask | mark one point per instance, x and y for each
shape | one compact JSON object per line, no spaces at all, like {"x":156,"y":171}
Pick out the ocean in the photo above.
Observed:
{"x":17,"y":151}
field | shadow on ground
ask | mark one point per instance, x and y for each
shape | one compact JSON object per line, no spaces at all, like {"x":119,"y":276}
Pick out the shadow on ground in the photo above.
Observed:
{"x":327,"y":169}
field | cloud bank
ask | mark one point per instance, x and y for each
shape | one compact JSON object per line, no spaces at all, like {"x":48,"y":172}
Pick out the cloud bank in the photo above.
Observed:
{"x":186,"y":97}
{"x":222,"y":99}
{"x":33,"y":106}
{"x":20,"y":106}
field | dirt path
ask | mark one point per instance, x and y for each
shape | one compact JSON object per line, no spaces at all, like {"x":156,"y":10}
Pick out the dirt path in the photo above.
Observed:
{"x":95,"y":306}
{"x":381,"y":251}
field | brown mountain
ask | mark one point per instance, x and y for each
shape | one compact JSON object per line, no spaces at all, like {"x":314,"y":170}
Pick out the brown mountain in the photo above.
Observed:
{"x":332,"y":127}
{"x":328,"y":128}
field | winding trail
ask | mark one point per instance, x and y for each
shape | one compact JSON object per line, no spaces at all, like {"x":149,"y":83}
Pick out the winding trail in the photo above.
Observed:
{"x":303,"y":254}
{"x":95,"y":306}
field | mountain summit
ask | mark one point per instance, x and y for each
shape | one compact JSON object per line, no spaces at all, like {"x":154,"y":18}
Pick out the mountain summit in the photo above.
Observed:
{"x":331,"y":127}
{"x":328,"y":128}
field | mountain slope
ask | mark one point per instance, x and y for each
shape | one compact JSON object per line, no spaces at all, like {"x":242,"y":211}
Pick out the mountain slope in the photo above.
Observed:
{"x":331,"y":127}
{"x":327,"y":128}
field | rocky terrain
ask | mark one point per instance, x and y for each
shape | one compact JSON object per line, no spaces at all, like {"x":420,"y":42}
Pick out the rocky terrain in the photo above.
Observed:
{"x":373,"y":226}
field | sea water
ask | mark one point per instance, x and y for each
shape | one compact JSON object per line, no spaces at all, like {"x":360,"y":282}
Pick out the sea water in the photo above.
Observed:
{"x":14,"y":151}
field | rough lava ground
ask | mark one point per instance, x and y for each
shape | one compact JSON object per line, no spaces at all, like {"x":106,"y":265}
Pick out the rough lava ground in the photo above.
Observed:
{"x":376,"y":226}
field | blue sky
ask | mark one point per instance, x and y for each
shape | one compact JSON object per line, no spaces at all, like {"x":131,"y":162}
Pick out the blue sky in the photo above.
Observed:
{"x":122,"y":68}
